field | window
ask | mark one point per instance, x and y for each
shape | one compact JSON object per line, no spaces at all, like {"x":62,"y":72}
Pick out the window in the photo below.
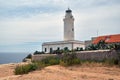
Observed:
{"x":51,"y":50}
{"x":45,"y":49}
{"x":77,"y":48}
{"x":58,"y":48}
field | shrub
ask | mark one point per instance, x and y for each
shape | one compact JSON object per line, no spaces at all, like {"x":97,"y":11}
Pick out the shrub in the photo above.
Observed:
{"x":79,"y":49}
{"x":51,"y":60}
{"x":57,"y":52}
{"x":39,"y":64}
{"x":29,"y":56}
{"x":66,"y":60}
{"x":24,"y":69}
{"x":76,"y":61}
{"x":62,"y":63}
{"x":69,"y":59}
{"x":70,"y":63}
{"x":111,"y":62}
{"x":37,"y":52}
{"x":117,"y":46}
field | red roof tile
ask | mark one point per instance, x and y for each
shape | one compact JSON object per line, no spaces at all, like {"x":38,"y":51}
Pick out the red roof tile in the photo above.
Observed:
{"x":108,"y":39}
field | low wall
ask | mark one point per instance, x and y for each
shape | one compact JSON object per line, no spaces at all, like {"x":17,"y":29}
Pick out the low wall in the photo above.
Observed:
{"x":84,"y":55}
{"x":41,"y":56}
{"x":97,"y":55}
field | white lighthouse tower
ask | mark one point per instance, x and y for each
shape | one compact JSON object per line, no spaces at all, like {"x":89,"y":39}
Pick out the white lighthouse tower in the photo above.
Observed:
{"x":68,"y":26}
{"x":68,"y":42}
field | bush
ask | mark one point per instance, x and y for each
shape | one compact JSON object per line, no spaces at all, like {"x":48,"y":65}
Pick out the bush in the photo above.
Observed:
{"x":66,"y":60}
{"x":118,"y":52}
{"x":51,"y":61}
{"x":111,"y":62}
{"x":70,"y":63}
{"x":29,"y":56}
{"x":117,"y":47}
{"x":39,"y":64}
{"x":62,"y":63}
{"x":57,"y":52}
{"x":69,"y":59}
{"x":24,"y":69}
{"x":37,"y":52}
{"x":79,"y":49}
{"x":76,"y":61}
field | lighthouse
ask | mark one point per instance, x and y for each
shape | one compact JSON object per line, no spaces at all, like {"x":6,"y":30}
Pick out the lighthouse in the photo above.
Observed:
{"x":68,"y":25}
{"x":68,"y":38}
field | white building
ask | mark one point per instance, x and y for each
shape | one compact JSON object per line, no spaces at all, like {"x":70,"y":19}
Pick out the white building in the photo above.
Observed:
{"x":69,"y":41}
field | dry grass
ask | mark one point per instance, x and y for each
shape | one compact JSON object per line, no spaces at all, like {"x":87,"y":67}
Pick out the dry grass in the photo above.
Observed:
{"x":93,"y":71}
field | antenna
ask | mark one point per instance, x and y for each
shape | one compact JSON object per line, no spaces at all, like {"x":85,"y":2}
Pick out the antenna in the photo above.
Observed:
{"x":68,"y":8}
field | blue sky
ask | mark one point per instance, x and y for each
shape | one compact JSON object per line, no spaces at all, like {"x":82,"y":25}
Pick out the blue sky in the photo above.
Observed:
{"x":26,"y":24}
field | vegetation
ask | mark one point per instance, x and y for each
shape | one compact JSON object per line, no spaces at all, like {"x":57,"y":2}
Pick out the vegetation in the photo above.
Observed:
{"x":65,"y":50}
{"x":79,"y":49}
{"x":51,"y":61}
{"x":57,"y":52}
{"x":37,"y":52}
{"x":24,"y":69}
{"x":91,"y":47}
{"x":111,"y":62}
{"x":117,"y":48}
{"x":69,"y":59}
{"x":102,"y":45}
{"x":29,"y":56}
{"x":66,"y":60}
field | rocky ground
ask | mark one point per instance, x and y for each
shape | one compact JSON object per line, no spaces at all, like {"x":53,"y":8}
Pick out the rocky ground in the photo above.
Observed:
{"x":57,"y":72}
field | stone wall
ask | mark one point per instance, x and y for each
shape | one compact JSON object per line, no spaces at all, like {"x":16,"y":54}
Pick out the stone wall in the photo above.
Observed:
{"x":41,"y":56}
{"x":84,"y":55}
{"x":97,"y":55}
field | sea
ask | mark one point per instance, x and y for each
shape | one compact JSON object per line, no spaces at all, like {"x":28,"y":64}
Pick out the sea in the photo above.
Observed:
{"x":6,"y":58}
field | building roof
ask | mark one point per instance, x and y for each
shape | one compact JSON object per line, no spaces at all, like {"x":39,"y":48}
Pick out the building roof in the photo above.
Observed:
{"x":108,"y":39}
{"x":63,"y":42}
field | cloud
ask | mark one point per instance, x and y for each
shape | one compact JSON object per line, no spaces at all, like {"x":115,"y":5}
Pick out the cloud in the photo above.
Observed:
{"x":37,"y":28}
{"x":25,"y":24}
{"x":104,"y":19}
{"x":28,"y":8}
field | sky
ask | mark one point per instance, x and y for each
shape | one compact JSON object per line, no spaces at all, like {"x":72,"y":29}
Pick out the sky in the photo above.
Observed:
{"x":26,"y":24}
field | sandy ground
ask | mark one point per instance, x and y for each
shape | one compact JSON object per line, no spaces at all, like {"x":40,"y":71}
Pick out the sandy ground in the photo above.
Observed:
{"x":62,"y":73}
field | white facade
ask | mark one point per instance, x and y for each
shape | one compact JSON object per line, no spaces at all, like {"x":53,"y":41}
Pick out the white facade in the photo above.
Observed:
{"x":68,"y":25}
{"x":69,"y":41}
{"x":51,"y":46}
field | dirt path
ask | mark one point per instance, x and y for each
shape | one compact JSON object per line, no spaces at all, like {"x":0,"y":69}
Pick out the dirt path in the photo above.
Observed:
{"x":62,"y":73}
